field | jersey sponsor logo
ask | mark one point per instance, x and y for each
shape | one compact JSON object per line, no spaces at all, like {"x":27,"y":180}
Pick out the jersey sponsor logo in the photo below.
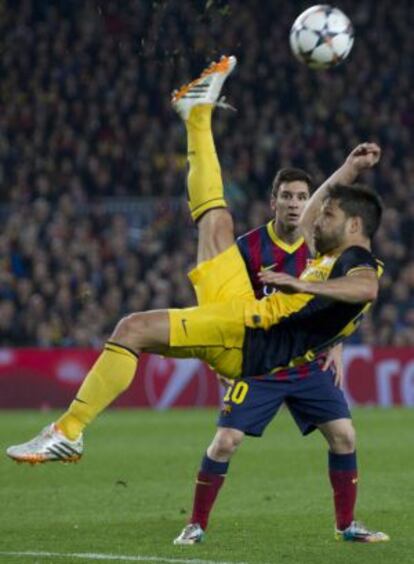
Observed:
{"x":328,"y":261}
{"x":317,"y":270}
{"x":268,"y":290}
{"x":315,"y":274}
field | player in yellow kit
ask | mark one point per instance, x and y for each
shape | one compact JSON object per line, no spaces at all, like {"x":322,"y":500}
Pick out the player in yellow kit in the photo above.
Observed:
{"x":238,"y":335}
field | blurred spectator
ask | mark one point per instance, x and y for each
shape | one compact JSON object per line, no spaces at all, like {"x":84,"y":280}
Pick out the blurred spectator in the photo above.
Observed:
{"x":86,"y":128}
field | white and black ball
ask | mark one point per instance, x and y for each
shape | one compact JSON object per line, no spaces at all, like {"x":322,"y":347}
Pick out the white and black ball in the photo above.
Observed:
{"x":322,"y":37}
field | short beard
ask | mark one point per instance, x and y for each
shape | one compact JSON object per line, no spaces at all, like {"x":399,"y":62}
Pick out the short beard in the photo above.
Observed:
{"x":324,"y":246}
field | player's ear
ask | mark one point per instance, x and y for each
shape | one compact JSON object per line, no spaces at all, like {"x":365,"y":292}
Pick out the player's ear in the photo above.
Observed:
{"x":355,"y":225}
{"x":272,"y":202}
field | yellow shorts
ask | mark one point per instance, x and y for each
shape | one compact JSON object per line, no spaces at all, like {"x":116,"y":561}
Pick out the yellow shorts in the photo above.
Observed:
{"x":214,"y":330}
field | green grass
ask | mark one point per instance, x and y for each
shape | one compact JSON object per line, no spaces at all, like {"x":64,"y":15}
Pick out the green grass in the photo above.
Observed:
{"x":132,"y":492}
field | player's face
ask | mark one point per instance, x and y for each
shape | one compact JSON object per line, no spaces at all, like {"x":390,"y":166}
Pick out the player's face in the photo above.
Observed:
{"x":289,"y":202}
{"x":330,"y":227}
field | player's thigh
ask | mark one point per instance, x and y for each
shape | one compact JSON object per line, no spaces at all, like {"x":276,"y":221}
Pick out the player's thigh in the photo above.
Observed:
{"x":222,"y":278}
{"x":215,"y":233}
{"x":213,"y":332}
{"x":315,"y":400}
{"x":250,"y":405}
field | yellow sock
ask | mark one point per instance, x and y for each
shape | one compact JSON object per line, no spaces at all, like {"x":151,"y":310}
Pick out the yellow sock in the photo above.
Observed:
{"x":111,"y":374}
{"x":205,"y":185}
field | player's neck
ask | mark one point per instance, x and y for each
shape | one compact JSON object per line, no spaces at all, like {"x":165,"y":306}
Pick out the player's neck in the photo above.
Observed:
{"x":288,"y":235}
{"x":353,"y":242}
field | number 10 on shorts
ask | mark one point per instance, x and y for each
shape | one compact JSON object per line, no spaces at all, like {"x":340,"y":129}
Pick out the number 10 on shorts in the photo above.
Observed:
{"x":237,"y":393}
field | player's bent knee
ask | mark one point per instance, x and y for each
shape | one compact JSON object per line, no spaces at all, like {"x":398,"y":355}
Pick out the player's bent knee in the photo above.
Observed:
{"x":349,"y":438}
{"x":225,"y":443}
{"x":147,"y":330}
{"x":343,"y":440}
{"x":126,"y":326}
{"x":130,"y":330}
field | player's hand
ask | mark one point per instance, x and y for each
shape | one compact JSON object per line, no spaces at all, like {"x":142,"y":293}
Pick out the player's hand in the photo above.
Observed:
{"x":334,"y":360}
{"x":283,"y":282}
{"x":364,"y":156}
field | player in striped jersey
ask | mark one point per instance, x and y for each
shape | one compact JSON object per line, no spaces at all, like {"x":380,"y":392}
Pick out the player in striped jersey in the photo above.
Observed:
{"x":278,"y":245}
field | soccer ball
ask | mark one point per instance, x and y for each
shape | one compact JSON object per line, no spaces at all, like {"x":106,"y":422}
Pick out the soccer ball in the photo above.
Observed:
{"x":322,"y":37}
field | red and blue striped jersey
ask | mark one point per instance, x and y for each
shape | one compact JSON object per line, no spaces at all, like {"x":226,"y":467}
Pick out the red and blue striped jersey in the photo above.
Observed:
{"x":261,"y":249}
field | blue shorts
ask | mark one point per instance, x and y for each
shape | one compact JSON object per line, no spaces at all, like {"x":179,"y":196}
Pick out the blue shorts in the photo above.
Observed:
{"x":251,"y":404}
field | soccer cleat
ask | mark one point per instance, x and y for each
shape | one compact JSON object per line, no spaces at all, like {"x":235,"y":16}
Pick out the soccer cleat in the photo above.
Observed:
{"x":205,"y":89}
{"x":357,"y":532}
{"x":50,"y":445}
{"x":191,"y":534}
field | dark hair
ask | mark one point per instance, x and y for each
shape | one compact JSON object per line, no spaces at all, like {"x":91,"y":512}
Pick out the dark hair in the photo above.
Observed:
{"x":358,"y":200}
{"x":291,"y":175}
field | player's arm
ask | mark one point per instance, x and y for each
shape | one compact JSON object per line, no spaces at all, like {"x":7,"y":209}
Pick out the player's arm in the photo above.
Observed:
{"x":364,"y":156}
{"x":358,"y":286}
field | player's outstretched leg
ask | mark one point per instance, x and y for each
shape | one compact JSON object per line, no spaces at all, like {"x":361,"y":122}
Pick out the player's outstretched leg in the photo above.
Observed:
{"x":111,"y":374}
{"x":116,"y":366}
{"x":195,"y":102}
{"x":62,"y":441}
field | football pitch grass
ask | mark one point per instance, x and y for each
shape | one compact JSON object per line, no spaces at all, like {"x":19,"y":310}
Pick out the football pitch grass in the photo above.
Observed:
{"x":131,"y":493}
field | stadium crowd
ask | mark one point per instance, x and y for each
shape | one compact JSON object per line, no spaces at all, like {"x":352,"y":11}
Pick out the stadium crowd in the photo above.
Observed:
{"x":86,"y":129}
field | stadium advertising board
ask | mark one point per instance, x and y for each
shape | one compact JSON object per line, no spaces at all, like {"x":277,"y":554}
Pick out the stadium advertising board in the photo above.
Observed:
{"x":45,"y":378}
